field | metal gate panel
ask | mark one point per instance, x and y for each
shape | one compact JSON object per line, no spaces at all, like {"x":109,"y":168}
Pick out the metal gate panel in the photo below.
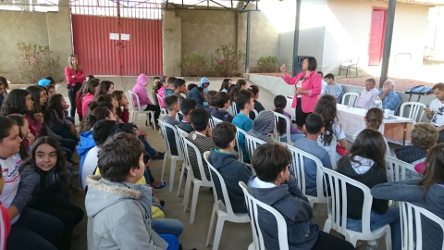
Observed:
{"x":99,"y":55}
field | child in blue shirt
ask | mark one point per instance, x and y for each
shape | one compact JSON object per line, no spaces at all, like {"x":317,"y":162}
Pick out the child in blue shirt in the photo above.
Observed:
{"x":245,"y":103}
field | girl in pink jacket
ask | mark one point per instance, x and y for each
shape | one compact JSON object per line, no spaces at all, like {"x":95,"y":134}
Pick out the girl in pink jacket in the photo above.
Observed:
{"x":145,"y":102}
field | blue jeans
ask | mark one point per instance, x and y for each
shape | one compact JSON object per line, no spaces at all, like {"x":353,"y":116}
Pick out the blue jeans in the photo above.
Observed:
{"x":35,"y":230}
{"x":148,"y":147}
{"x":173,"y":242}
{"x":167,"y":226}
{"x":379,"y":220}
{"x":294,"y":137}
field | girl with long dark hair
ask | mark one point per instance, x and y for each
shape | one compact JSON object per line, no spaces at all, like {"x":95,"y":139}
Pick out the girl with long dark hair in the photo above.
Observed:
{"x":280,"y":102}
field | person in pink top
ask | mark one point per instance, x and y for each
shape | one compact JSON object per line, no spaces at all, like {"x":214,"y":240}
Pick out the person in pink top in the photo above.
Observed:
{"x":308,"y":85}
{"x":161,"y":86}
{"x":74,"y":79}
{"x":145,"y":102}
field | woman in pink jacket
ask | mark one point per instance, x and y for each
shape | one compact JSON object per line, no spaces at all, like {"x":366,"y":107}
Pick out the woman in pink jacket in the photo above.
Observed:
{"x":74,"y":78}
{"x":145,"y":102}
{"x":308,"y":86}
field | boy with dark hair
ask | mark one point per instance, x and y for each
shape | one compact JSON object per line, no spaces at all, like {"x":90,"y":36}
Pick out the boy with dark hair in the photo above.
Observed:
{"x":119,"y":212}
{"x":228,"y":166}
{"x":333,"y":88}
{"x":191,"y":86}
{"x":170,"y":90}
{"x":314,"y":125}
{"x":100,"y":132}
{"x":198,"y":95}
{"x":276,"y":187}
{"x":201,"y":137}
{"x":210,"y":98}
{"x":222,"y":101}
{"x":180,"y":87}
{"x":186,"y":107}
{"x":245,"y":102}
{"x":173,"y":106}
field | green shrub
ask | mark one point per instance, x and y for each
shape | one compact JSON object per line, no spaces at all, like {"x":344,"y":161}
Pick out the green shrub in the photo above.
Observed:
{"x":35,"y":62}
{"x":227,"y":61}
{"x":268,"y":64}
{"x":193,"y":65}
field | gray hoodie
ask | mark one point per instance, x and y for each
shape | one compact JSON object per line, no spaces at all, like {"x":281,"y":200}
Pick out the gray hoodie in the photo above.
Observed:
{"x":119,"y":216}
{"x":263,"y":125}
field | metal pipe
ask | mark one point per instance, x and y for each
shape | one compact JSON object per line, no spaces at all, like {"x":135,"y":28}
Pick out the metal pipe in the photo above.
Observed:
{"x":247,"y":61}
{"x":387,"y":41}
{"x":296,"y":37}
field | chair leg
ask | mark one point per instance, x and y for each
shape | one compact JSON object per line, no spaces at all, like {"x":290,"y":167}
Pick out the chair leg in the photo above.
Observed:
{"x":148,"y":119}
{"x":327,"y":226}
{"x":181,"y":178}
{"x":346,"y":72}
{"x":388,"y":238}
{"x":154,"y":121}
{"x":196,"y":189}
{"x":172,"y":172}
{"x":211,"y":229}
{"x":186,"y":195}
{"x":165,"y":157}
{"x":218,"y":232}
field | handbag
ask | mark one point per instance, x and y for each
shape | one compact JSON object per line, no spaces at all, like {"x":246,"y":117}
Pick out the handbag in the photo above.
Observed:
{"x":419,"y":90}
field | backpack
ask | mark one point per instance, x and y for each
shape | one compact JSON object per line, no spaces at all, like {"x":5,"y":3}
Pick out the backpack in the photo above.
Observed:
{"x":419,"y":90}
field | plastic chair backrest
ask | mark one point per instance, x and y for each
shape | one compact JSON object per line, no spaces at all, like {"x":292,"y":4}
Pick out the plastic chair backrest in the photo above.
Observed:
{"x":255,"y":113}
{"x":416,"y":108}
{"x":352,"y":97}
{"x":163,"y":127}
{"x":234,"y":107}
{"x":258,"y":239}
{"x":251,"y":143}
{"x":239,"y":148}
{"x":399,"y":170}
{"x":182,"y":134}
{"x":215,"y":174}
{"x":134,"y":96}
{"x":214,"y":121}
{"x":297,"y":164}
{"x":188,"y":147}
{"x":160,"y":101}
{"x":277,"y":137}
{"x":337,"y":205}
{"x":411,"y":226}
{"x":332,"y":149}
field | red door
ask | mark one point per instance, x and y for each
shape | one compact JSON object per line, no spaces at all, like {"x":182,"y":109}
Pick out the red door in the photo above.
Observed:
{"x":100,"y":55}
{"x":377,"y":34}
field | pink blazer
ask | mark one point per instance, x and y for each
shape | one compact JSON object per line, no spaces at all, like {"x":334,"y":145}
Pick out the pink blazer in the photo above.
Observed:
{"x":313,"y":84}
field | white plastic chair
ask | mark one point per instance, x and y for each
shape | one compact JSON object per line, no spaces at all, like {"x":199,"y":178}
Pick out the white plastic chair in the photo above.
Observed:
{"x":398,"y":170}
{"x":332,"y":149}
{"x":251,"y":143}
{"x":352,"y":97}
{"x":138,"y":110}
{"x":191,"y":179}
{"x":234,"y":108}
{"x":255,"y":113}
{"x":411,"y":225}
{"x":214,"y":121}
{"x":163,"y":110}
{"x":337,"y":210}
{"x":277,"y":137}
{"x":174,"y":158}
{"x":298,"y":166}
{"x":240,"y":132}
{"x":258,"y":239}
{"x":185,"y":165}
{"x":416,"y":108}
{"x":224,"y":212}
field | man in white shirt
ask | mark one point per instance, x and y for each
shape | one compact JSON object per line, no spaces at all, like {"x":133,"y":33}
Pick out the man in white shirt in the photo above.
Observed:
{"x":436,"y":111}
{"x":368,"y":95}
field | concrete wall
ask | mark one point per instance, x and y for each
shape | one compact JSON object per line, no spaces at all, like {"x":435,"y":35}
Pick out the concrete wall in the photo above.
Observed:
{"x":46,"y":29}
{"x":172,"y":48}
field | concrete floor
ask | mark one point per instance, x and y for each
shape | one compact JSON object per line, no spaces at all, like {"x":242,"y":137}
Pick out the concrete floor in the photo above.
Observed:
{"x":234,"y":236}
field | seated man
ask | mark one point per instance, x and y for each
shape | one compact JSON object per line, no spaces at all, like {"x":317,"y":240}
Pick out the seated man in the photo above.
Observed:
{"x":222,"y":100}
{"x":436,"y":111}
{"x":228,"y":166}
{"x":173,"y":107}
{"x":368,"y":95}
{"x":119,"y":212}
{"x":314,"y":125}
{"x":201,"y":137}
{"x":187,"y":106}
{"x":390,"y":99}
{"x":276,"y":187}
{"x":333,"y":88}
{"x":170,"y":90}
{"x":245,"y":103}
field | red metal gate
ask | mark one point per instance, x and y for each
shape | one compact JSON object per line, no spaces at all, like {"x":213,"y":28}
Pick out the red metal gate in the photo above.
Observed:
{"x":100,"y":55}
{"x":377,"y":34}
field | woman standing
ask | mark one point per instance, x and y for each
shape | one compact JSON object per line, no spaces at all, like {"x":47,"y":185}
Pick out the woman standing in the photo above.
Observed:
{"x":74,"y":78}
{"x":308,"y":86}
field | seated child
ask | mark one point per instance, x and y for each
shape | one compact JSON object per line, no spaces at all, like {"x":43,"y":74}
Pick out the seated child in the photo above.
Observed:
{"x":280,"y":102}
{"x":201,"y":137}
{"x":244,"y":101}
{"x":198,"y":95}
{"x":263,"y":125}
{"x":170,"y":90}
{"x":173,"y":106}
{"x":228,"y":166}
{"x":180,"y":87}
{"x":276,"y":187}
{"x":186,"y":107}
{"x":257,"y":105}
{"x":119,"y":212}
{"x":5,"y":222}
{"x":222,"y":101}
{"x":314,"y":125}
{"x":210,"y":97}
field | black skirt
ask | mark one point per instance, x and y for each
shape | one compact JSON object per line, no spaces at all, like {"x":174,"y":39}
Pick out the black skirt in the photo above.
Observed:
{"x":300,"y":115}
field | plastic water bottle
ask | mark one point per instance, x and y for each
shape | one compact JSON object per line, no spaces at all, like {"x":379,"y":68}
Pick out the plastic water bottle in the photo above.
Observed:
{"x":377,"y":103}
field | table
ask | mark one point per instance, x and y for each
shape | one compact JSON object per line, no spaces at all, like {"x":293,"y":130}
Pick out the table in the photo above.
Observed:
{"x":395,"y":129}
